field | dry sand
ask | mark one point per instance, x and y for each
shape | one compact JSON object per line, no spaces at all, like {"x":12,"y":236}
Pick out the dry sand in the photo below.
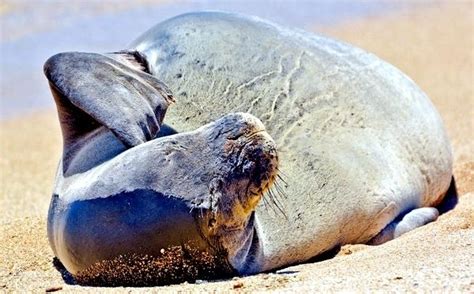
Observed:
{"x":432,"y":45}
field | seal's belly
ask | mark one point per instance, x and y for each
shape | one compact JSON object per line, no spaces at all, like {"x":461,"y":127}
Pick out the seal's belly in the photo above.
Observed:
{"x":141,"y":222}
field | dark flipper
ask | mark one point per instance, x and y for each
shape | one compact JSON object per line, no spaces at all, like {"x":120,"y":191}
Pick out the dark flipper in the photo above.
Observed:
{"x":93,"y":90}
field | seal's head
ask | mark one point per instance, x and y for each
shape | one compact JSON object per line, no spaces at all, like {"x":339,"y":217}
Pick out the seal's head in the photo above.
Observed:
{"x":224,"y":169}
{"x":246,"y":162}
{"x":246,"y":166}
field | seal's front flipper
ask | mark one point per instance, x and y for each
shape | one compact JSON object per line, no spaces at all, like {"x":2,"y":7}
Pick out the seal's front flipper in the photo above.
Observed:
{"x":412,"y":220}
{"x":93,"y":90}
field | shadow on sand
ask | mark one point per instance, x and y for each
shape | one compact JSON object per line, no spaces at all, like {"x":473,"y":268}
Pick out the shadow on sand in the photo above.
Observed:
{"x":67,"y":277}
{"x":450,"y":200}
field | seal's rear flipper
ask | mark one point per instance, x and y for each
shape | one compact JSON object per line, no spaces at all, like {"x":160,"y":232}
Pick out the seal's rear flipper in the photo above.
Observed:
{"x":93,"y":90}
{"x":412,"y":220}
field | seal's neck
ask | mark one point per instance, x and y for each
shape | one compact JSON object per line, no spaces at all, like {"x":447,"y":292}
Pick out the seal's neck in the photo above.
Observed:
{"x":242,"y":245}
{"x":244,"y":248}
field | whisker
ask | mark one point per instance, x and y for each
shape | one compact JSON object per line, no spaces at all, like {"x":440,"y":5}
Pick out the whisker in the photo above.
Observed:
{"x":282,"y":179}
{"x":280,"y":190}
{"x":279,"y":206}
{"x":277,"y":200}
{"x":268,"y":197}
{"x":272,"y":199}
{"x":282,"y":175}
{"x":265,"y":202}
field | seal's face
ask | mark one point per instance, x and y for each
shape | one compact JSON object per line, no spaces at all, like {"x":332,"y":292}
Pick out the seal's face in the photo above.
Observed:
{"x":245,"y":166}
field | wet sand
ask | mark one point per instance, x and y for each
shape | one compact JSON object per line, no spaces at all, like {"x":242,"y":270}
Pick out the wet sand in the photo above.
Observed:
{"x":434,"y":46}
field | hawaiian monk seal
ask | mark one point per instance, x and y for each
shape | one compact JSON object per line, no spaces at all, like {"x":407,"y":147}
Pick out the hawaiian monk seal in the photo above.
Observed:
{"x":363,"y":150}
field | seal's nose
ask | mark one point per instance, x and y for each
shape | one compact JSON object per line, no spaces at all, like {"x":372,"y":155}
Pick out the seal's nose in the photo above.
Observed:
{"x":260,"y":159}
{"x":245,"y":136}
{"x":248,"y":151}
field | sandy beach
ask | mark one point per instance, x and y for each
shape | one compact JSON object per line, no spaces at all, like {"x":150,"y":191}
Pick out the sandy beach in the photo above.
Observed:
{"x":433,"y":45}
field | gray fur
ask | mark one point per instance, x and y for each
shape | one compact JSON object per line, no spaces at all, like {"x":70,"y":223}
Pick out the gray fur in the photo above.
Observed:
{"x":358,"y":142}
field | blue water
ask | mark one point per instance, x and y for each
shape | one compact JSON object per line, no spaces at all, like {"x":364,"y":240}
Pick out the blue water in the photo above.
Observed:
{"x":42,"y":28}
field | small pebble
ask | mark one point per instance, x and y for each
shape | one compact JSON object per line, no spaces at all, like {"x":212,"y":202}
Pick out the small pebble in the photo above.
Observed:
{"x":54,"y":289}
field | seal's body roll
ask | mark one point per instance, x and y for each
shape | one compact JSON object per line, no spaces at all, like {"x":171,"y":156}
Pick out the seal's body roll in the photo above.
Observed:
{"x":359,"y":146}
{"x":359,"y":142}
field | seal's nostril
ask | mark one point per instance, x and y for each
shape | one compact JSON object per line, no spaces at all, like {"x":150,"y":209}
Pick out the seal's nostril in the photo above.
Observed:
{"x":212,"y":222}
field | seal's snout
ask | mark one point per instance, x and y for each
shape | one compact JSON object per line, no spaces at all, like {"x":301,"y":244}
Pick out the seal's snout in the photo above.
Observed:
{"x":259,"y":160}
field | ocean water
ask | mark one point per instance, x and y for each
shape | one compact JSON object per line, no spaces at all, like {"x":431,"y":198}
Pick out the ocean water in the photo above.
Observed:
{"x":31,"y":31}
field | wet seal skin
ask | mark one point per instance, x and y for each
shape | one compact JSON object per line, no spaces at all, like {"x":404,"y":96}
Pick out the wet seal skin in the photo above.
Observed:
{"x":148,"y":196}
